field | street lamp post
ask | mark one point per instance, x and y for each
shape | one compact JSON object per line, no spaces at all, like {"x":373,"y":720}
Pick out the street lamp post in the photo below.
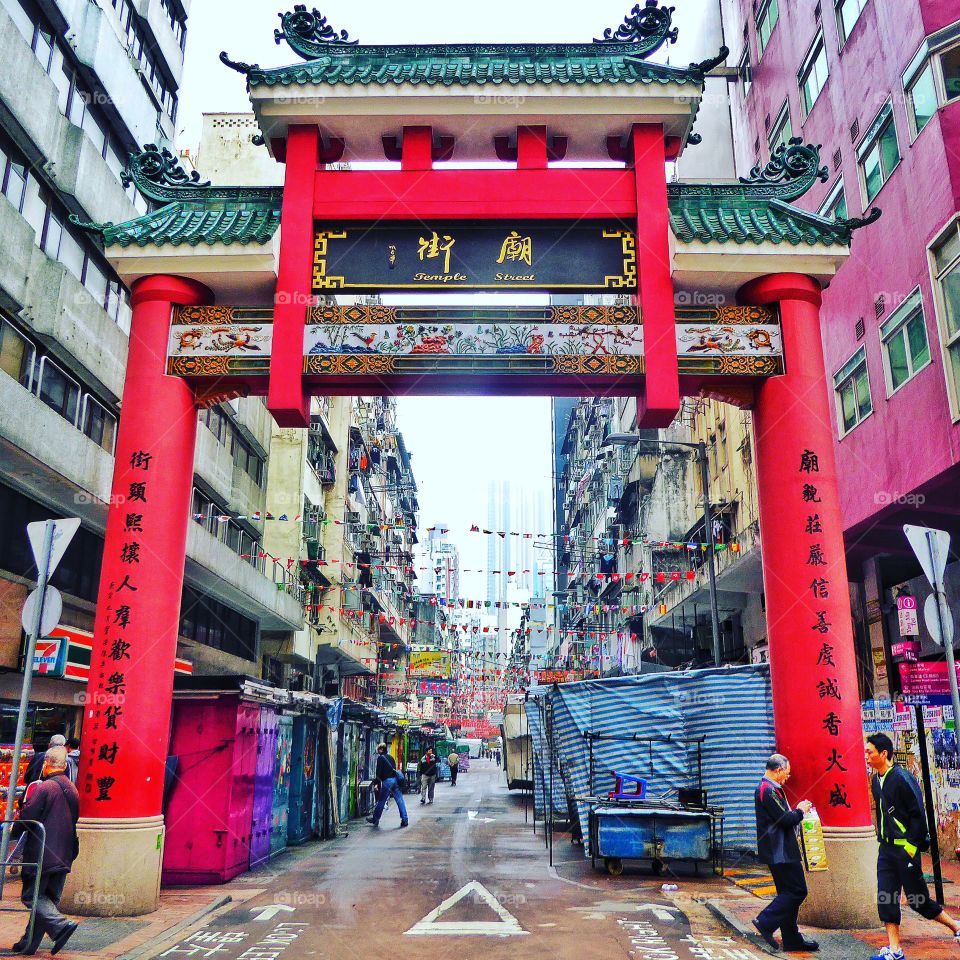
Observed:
{"x":632,"y":439}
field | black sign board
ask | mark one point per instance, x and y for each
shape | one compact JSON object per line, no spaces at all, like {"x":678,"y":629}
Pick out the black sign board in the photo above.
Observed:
{"x":456,"y":255}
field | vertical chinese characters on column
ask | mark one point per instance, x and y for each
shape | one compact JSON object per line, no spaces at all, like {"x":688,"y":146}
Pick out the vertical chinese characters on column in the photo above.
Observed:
{"x":119,"y":631}
{"x":827,"y":684}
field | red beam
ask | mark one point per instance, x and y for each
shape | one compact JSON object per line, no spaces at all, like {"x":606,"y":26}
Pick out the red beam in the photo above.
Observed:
{"x":547,"y":194}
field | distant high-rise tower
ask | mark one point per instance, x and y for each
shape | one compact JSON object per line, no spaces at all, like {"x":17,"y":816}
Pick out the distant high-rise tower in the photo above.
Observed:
{"x":444,"y":559}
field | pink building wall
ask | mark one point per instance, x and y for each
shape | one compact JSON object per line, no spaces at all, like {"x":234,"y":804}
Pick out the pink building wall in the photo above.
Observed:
{"x":910,"y":439}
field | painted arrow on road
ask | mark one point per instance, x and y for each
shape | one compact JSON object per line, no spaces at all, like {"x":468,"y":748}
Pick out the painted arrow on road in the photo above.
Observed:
{"x":472,"y":814}
{"x":268,"y":913}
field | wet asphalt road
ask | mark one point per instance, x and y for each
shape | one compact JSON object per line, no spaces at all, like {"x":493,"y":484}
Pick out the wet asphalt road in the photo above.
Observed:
{"x":468,"y":879}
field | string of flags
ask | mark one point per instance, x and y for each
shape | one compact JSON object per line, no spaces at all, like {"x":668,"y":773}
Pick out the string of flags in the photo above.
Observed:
{"x":260,"y":516}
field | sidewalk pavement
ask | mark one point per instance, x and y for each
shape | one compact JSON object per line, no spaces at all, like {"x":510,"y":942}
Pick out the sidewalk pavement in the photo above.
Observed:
{"x":116,"y":938}
{"x":922,"y":940}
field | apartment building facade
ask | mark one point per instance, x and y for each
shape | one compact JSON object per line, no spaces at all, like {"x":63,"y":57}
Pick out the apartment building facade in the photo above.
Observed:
{"x":878,"y":84}
{"x":632,"y":553}
{"x":84,"y":84}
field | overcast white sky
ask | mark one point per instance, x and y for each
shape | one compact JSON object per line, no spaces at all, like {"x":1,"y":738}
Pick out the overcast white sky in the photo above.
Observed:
{"x":458,"y":444}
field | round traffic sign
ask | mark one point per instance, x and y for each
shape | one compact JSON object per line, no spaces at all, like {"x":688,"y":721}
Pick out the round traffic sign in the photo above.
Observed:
{"x":52,"y":610}
{"x":906,"y":603}
{"x":932,"y":621}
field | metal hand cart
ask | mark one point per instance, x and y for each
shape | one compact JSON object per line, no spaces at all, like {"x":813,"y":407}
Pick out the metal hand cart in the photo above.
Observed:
{"x":677,"y":826}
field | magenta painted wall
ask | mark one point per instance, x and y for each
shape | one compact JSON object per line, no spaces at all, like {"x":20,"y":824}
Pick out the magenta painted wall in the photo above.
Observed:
{"x":909,"y":438}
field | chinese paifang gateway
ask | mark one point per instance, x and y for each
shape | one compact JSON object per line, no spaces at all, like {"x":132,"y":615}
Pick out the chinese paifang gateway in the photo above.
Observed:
{"x":236,"y":270}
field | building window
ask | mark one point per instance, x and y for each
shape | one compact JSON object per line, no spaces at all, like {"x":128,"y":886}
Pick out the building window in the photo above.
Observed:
{"x":16,"y":354}
{"x":98,"y":423}
{"x":247,"y":460}
{"x":848,"y":13}
{"x":946,"y":268}
{"x":950,"y":72}
{"x":852,"y":386}
{"x":745,"y":72}
{"x":879,"y":153}
{"x":906,"y":350}
{"x":835,"y":206}
{"x":768,"y":13}
{"x":58,"y":391}
{"x":920,"y":91}
{"x":813,"y":74}
{"x":782,"y":130}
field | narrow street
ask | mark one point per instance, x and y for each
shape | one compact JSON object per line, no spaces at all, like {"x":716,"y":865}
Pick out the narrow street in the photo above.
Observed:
{"x":377,"y":893}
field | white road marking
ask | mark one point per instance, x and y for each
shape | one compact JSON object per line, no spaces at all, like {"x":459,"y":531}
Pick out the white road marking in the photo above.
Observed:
{"x":506,"y":926}
{"x":472,"y":815}
{"x":661,"y":912}
{"x":267,"y":913}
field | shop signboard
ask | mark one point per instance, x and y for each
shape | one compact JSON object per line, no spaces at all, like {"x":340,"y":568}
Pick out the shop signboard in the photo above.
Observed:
{"x":907,"y":615}
{"x":925,"y":684}
{"x":429,"y":663}
{"x":546,"y":677}
{"x":908,"y":650}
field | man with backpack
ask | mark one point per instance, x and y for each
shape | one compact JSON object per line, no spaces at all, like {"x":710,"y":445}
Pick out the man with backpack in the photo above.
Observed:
{"x":902,"y":832}
{"x":391,"y":785}
{"x":55,"y":803}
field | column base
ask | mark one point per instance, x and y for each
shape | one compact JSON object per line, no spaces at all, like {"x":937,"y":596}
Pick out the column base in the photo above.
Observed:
{"x":844,"y":897}
{"x":118,"y":871}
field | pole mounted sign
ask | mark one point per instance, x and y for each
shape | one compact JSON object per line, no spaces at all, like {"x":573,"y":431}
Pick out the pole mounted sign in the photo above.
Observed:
{"x":932,"y":547}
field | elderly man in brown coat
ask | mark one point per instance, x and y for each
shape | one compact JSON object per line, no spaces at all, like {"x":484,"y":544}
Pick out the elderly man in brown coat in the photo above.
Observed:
{"x":56,"y":804}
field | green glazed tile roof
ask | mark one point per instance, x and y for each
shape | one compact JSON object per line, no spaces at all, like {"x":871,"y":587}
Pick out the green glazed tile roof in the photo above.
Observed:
{"x":699,"y":220}
{"x":578,"y":64}
{"x":194,"y":223}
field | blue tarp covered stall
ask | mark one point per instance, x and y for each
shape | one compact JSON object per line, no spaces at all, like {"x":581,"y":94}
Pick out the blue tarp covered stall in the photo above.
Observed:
{"x":543,"y":756}
{"x":731,"y":707}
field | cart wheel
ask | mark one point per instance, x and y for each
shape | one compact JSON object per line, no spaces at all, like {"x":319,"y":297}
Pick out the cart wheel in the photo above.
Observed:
{"x":614,"y":866}
{"x":657,"y":867}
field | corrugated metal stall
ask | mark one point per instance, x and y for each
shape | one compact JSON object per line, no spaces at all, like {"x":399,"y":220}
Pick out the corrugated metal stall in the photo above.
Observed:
{"x":730,"y":707}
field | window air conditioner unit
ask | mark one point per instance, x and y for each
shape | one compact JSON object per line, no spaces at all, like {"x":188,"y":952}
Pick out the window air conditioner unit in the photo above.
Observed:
{"x":352,"y":517}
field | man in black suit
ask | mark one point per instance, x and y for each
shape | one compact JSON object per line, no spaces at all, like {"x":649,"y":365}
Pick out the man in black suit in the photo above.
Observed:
{"x":778,"y":847}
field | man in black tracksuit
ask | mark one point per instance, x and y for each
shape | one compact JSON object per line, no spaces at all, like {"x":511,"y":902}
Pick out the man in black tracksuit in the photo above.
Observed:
{"x":778,"y":847}
{"x":902,"y":832}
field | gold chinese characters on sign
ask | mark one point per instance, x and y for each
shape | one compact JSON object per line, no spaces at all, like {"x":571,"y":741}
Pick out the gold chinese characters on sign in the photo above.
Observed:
{"x":539,"y":256}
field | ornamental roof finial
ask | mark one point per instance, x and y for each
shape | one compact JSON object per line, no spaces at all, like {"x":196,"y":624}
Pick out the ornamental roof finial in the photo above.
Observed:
{"x":794,"y":167}
{"x":309,"y":33}
{"x":649,"y":26}
{"x":155,"y":171}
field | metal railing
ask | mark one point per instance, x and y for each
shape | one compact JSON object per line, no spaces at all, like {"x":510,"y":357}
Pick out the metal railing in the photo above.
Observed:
{"x":9,"y":863}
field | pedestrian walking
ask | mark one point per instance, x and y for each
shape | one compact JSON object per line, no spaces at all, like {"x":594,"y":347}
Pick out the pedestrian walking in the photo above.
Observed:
{"x":55,"y":803}
{"x":391,"y":785}
{"x":427,"y":771}
{"x":496,"y":754}
{"x":454,"y":761}
{"x":73,"y":758}
{"x":34,"y":769}
{"x":902,"y":832}
{"x":779,"y":848}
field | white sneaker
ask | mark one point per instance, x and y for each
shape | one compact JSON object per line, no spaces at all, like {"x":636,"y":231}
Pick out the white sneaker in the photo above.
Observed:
{"x":889,"y":954}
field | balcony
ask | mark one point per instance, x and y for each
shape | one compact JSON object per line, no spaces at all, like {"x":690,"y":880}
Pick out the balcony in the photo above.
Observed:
{"x":250,"y":586}
{"x":72,"y":326}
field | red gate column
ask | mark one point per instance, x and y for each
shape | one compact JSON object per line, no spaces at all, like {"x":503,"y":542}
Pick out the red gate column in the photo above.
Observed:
{"x":816,"y":698}
{"x":660,"y":402}
{"x":126,"y":720}
{"x":286,"y":399}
